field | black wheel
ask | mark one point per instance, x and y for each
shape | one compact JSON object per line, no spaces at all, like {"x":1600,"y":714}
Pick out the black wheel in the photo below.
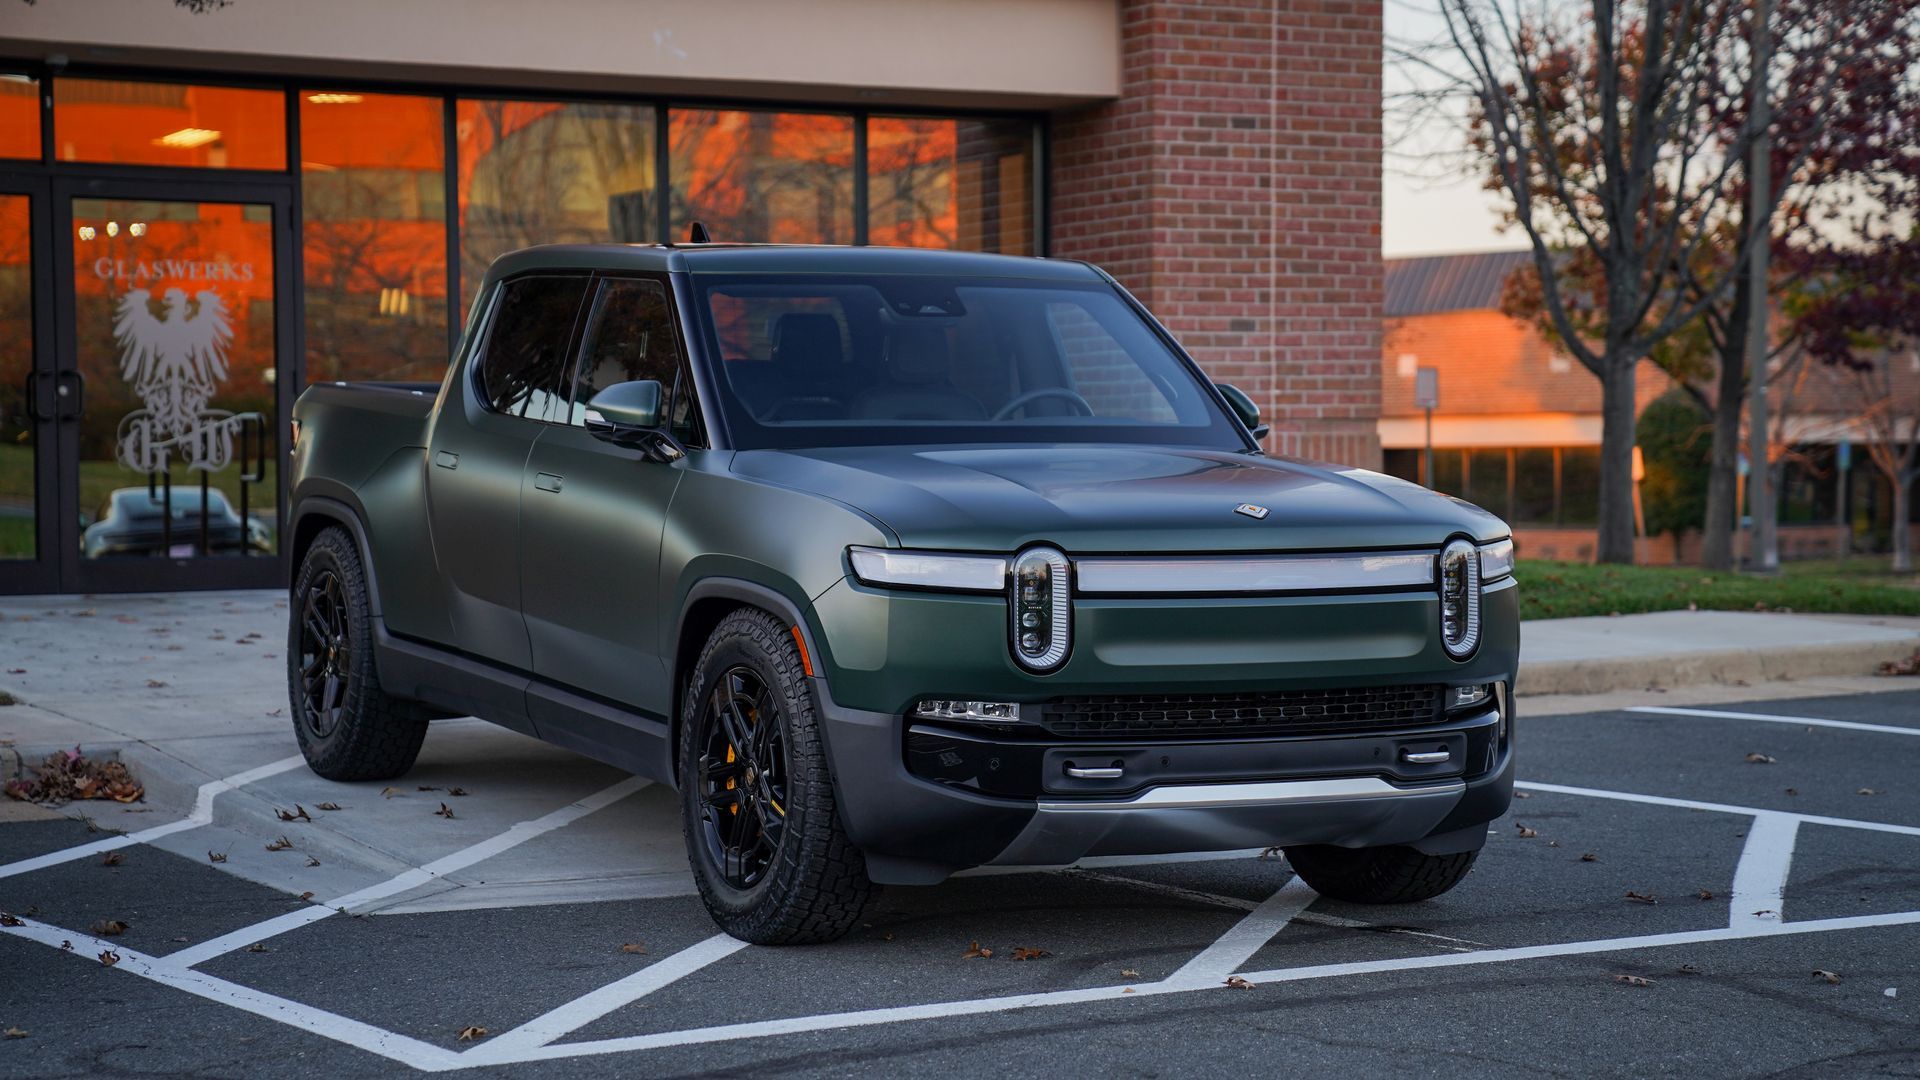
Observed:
{"x":1379,"y":875}
{"x":773,"y":863}
{"x":348,"y":728}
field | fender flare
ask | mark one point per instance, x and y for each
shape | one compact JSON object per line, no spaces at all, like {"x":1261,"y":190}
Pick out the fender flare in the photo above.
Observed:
{"x":347,"y":516}
{"x":747,"y":592}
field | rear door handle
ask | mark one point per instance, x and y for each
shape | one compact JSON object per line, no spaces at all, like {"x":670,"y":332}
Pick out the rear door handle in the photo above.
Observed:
{"x":546,"y":481}
{"x":446,"y":460}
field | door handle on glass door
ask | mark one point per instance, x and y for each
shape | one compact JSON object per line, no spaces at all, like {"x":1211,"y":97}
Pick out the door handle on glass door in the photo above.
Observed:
{"x":69,"y":392}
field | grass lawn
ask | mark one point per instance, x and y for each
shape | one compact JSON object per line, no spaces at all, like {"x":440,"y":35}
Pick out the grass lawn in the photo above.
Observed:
{"x":1863,"y":586}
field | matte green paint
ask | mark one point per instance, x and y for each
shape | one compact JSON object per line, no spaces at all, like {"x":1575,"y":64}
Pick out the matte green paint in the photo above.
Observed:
{"x":466,"y":534}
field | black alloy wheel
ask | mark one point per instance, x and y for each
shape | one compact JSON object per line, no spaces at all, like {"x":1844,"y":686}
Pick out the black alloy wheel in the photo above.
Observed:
{"x":742,"y":777}
{"x":325,"y":644}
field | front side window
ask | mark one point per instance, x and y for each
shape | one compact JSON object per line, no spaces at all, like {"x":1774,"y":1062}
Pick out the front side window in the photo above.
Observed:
{"x":829,"y":360}
{"x":523,"y":370}
{"x":629,"y":337}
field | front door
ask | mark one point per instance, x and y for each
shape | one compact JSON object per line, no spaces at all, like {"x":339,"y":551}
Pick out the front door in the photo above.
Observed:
{"x":29,"y":491}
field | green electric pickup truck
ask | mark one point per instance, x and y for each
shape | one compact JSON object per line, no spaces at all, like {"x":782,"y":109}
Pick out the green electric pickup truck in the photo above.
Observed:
{"x":893,"y":563}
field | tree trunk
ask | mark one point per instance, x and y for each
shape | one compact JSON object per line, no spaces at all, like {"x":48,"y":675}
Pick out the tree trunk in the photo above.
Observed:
{"x":1902,"y":529}
{"x":1618,"y":416}
{"x":1723,"y":468}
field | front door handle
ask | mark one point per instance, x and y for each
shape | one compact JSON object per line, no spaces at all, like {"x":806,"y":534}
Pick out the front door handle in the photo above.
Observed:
{"x":446,"y":460}
{"x":546,"y":481}
{"x":40,"y":396}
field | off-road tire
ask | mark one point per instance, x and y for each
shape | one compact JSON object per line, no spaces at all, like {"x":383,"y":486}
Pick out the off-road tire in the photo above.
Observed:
{"x":817,"y":886}
{"x":1378,"y":875}
{"x":377,"y":736}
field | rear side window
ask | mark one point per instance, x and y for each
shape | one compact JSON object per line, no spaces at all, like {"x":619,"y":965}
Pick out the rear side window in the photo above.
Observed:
{"x":523,"y":371}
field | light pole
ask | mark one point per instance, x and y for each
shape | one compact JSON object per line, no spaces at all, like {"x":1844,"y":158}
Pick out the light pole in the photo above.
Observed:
{"x":1426,"y":394}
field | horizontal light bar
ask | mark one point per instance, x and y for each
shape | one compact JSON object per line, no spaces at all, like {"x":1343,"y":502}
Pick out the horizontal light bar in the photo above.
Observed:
{"x":996,"y":712}
{"x":929,"y":569}
{"x":1253,"y":574}
{"x":1496,"y":561}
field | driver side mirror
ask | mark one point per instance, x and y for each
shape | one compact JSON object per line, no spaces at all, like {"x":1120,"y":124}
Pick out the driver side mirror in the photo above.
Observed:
{"x":1244,"y":408}
{"x":629,"y":414}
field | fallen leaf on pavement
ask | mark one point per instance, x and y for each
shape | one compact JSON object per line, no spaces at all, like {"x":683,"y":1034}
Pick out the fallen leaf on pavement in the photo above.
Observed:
{"x":1129,"y":973}
{"x":155,"y":684}
{"x":8,"y":920}
{"x":256,"y":947}
{"x":1238,"y":983}
{"x":1705,"y":895}
{"x":328,"y":805}
{"x":390,"y":792}
{"x":111,"y":858}
{"x":1764,"y":913}
{"x":281,"y":844}
{"x":66,"y":945}
{"x":1589,"y":857}
{"x":109,"y":928}
{"x":975,"y":952}
{"x":1633,"y":980}
{"x":1526,"y":833}
{"x":456,"y":791}
{"x":299,"y":813}
{"x":1687,"y":969}
{"x":1867,"y":791}
{"x":311,"y":861}
{"x":426,"y":787}
{"x":308,"y":895}
{"x":1128,"y":990}
{"x":1641,"y":898}
{"x":1827,"y":976}
{"x":633,"y":947}
{"x":109,"y":957}
{"x":1023,"y":953}
{"x":1523,"y":795}
{"x":216,"y":856}
{"x":1757,"y":758}
{"x":15,"y":1033}
{"x":1270,"y":853}
{"x":468,"y":1034}
{"x":445,"y":811}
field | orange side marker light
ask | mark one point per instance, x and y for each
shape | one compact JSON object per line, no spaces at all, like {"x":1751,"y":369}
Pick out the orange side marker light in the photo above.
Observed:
{"x":806,"y":662}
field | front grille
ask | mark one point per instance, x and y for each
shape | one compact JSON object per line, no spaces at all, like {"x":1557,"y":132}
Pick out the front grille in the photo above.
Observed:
{"x":1275,"y":712}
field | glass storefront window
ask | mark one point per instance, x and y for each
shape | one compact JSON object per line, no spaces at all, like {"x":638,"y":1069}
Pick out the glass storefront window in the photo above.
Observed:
{"x":120,"y":122}
{"x":1580,"y":485}
{"x":1487,"y":479}
{"x":373,"y":189}
{"x":762,"y":177}
{"x":17,"y":452}
{"x":19,"y":116}
{"x":539,"y":172}
{"x":1533,"y":481}
{"x":943,"y":183}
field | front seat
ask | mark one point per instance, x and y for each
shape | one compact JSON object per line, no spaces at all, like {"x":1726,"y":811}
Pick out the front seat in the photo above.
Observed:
{"x":809,"y":368}
{"x":919,"y":368}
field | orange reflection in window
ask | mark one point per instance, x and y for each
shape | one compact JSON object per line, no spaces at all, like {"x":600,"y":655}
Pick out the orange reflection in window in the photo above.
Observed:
{"x":19,"y":116}
{"x":17,"y":522}
{"x":373,"y":187}
{"x":783,"y":178}
{"x":150,"y":123}
{"x":965,"y":184}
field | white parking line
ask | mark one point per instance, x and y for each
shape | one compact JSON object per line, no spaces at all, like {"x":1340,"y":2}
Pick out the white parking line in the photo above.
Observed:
{"x":458,"y":860}
{"x":1803,"y":721}
{"x":582,"y":1011}
{"x":1237,"y":946}
{"x":1760,"y":877}
{"x":1718,"y":808}
{"x":201,"y":814}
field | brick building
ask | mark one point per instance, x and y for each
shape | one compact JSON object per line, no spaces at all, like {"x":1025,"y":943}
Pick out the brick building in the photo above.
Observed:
{"x":337,"y":176}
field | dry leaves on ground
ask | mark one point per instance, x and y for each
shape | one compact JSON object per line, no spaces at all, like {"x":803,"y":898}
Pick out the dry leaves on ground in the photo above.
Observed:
{"x":1757,"y":758}
{"x":282,"y":844}
{"x":472,"y":1032}
{"x":445,"y":811}
{"x":108,"y":957}
{"x":1633,"y":980}
{"x":1021,"y":952}
{"x":156,"y":684}
{"x":1706,"y":894}
{"x":1238,"y":983}
{"x":390,"y":792}
{"x":633,"y":947}
{"x":1868,"y":791}
{"x":308,"y":895}
{"x":14,"y":1033}
{"x":299,"y":814}
{"x":216,"y":856}
{"x":1526,"y":833}
{"x":70,"y":775}
{"x":111,"y":858}
{"x":1589,"y":857}
{"x":1909,"y":666}
{"x":257,"y":947}
{"x":109,"y":928}
{"x":1826,"y":976}
{"x":456,"y":791}
{"x":975,"y":952}
{"x":311,"y":861}
{"x":1641,"y":898}
{"x":327,"y":805}
{"x":1129,"y":973}
{"x":8,"y":920}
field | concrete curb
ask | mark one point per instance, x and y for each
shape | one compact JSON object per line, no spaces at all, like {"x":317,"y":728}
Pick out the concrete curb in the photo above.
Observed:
{"x":1724,"y":666}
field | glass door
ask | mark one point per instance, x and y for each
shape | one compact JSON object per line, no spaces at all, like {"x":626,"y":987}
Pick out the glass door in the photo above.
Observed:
{"x":171,"y":333}
{"x":29,"y":498}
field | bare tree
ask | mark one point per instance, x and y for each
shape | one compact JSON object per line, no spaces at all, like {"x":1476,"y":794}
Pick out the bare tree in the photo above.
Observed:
{"x":1600,"y":128}
{"x":1887,"y":413}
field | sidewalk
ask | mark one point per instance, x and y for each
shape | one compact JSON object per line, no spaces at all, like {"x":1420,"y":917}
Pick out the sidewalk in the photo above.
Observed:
{"x":188,"y":688}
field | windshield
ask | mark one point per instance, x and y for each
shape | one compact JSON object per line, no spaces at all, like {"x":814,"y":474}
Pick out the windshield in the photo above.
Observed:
{"x":825,"y":360}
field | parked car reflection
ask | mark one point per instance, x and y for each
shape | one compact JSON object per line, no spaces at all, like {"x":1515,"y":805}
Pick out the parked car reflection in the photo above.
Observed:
{"x":133,"y":522}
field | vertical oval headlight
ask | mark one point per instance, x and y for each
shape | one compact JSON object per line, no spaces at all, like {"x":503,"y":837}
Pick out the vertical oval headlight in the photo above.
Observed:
{"x":1460,"y":598}
{"x":1041,"y":608}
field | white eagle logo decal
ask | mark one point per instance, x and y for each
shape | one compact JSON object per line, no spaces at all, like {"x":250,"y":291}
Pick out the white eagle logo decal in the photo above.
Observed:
{"x":175,"y":361}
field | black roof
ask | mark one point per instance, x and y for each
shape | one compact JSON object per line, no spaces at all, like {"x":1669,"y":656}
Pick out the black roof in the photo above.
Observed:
{"x":1435,"y":283}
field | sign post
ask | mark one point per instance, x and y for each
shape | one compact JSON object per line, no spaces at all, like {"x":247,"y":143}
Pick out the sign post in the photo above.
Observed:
{"x":1426,"y":394}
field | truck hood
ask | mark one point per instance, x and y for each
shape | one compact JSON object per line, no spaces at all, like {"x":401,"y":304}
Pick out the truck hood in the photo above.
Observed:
{"x":1087,"y":498}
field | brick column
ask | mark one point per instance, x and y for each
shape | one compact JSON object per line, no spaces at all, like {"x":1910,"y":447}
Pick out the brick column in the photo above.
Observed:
{"x":1235,"y":188}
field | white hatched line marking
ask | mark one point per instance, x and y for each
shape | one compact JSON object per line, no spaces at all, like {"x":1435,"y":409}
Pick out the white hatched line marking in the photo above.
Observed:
{"x":1237,"y":946}
{"x":201,"y":814}
{"x":1760,"y":877}
{"x":447,"y":864}
{"x":582,"y":1011}
{"x":1805,"y":721}
{"x":387,"y":1044}
{"x":1178,"y":892}
{"x":1719,"y":808}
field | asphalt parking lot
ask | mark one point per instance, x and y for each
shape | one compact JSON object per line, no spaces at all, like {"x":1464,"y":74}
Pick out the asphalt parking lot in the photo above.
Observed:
{"x":1658,"y":903}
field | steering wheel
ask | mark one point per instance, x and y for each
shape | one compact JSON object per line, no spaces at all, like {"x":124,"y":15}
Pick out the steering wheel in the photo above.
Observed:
{"x":1032,"y":396}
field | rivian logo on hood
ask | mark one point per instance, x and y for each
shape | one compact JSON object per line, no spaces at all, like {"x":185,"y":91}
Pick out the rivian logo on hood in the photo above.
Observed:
{"x":1255,"y":512}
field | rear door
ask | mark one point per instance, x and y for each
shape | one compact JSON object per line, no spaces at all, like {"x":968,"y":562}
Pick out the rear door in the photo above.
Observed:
{"x":593,"y":513}
{"x":495,"y":408}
